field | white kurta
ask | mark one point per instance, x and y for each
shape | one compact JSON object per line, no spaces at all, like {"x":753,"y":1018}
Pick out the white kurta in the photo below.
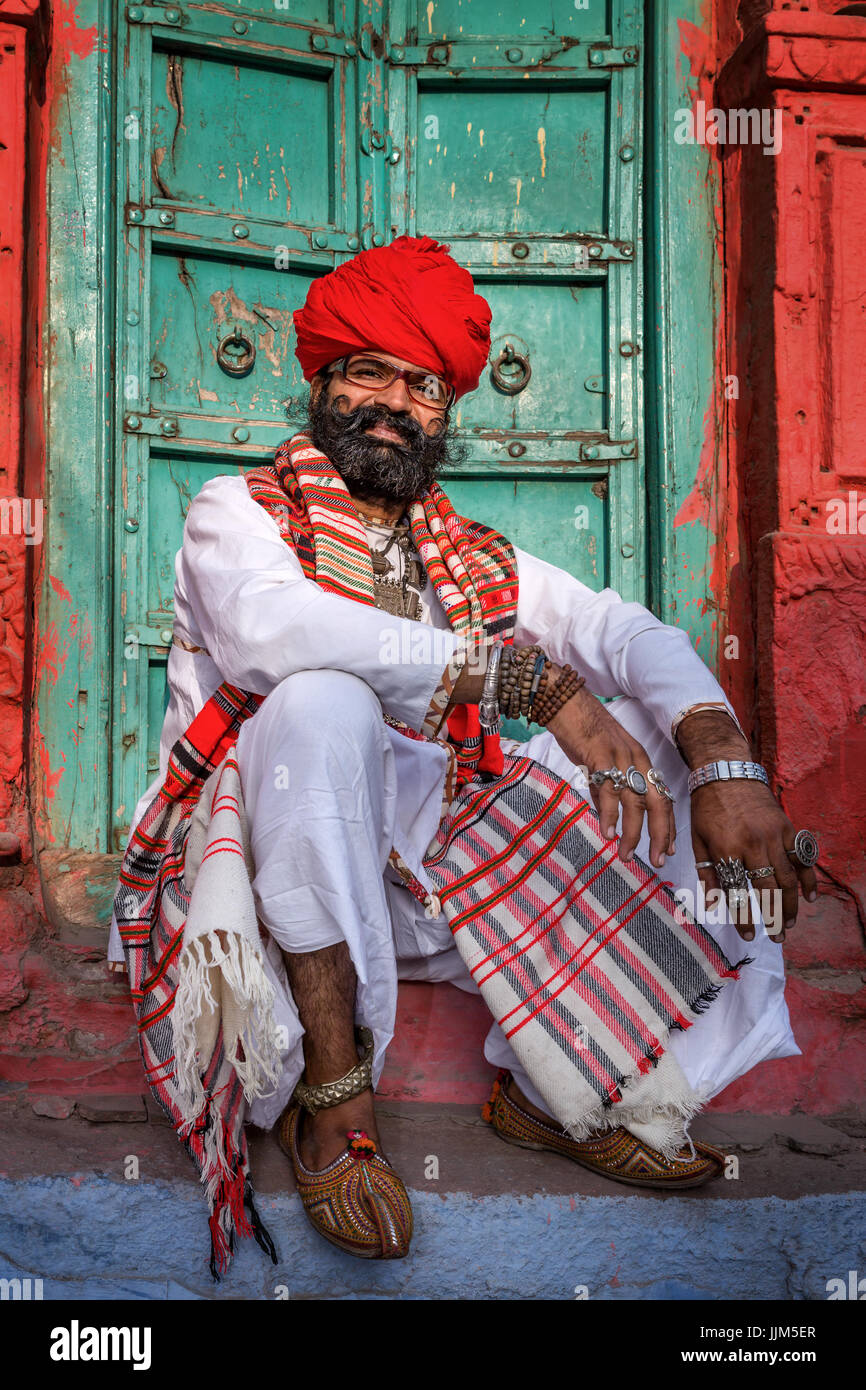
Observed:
{"x":242,"y":596}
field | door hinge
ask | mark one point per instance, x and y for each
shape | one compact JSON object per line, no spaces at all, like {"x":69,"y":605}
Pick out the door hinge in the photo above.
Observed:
{"x":335,"y":45}
{"x":600,"y":57}
{"x":593,"y":449}
{"x":137,"y":635}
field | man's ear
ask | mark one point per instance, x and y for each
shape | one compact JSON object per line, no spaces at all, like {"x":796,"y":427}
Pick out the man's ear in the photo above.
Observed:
{"x":316,"y":387}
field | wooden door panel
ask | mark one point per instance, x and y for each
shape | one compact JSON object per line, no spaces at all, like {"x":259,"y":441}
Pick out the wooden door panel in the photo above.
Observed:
{"x":559,"y":324}
{"x":475,"y":18}
{"x":225,"y":136}
{"x":173,"y":481}
{"x":560,"y":522}
{"x":196,"y":303}
{"x":504,"y":157}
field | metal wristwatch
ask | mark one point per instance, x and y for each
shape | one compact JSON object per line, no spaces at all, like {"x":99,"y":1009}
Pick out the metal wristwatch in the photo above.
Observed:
{"x":727,"y":770}
{"x":488,"y":705}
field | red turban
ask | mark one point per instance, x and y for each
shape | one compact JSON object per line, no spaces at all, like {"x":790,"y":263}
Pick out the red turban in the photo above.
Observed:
{"x":410,"y":300}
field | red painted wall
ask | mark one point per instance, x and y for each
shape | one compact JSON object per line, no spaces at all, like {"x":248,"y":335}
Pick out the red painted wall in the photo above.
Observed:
{"x":795,"y":331}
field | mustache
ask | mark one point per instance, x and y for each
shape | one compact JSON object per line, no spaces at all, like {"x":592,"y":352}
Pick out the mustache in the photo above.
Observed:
{"x":364,"y":417}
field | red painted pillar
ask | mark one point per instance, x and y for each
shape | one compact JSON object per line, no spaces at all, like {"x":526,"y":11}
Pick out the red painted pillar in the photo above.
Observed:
{"x":795,"y":253}
{"x":17,"y":512}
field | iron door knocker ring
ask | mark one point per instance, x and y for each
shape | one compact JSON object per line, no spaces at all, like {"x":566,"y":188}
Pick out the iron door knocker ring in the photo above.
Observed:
{"x":236,"y":363}
{"x":510,"y":386}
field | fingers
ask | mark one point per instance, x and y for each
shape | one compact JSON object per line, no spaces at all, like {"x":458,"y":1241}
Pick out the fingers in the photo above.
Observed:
{"x":775,"y":893}
{"x":707,"y":876}
{"x":804,"y":874}
{"x":661,"y":828}
{"x":634,"y":807}
{"x":607,"y":805}
{"x":633,"y":810}
{"x":767,"y":889}
{"x":779,"y":891}
{"x":738,"y":904}
{"x":787,"y":880}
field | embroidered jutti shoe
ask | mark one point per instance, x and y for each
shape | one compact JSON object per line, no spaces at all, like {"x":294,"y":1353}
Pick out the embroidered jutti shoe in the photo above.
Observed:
{"x":358,"y":1201}
{"x":615,"y":1153}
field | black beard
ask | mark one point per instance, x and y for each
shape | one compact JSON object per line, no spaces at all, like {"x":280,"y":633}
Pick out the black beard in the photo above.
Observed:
{"x":373,"y":468}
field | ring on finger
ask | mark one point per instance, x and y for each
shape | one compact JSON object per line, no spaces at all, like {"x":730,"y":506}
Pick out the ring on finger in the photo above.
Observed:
{"x":600,"y":776}
{"x":731,"y":873}
{"x":614,"y":775}
{"x":635,"y":781}
{"x":766,"y":871}
{"x":805,"y":849}
{"x":656,"y":780}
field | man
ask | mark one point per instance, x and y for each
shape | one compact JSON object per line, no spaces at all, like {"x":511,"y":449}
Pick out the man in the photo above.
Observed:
{"x":339,"y":588}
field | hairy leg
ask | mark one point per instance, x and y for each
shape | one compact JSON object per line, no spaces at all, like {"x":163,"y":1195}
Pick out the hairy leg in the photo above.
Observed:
{"x":323,"y":985}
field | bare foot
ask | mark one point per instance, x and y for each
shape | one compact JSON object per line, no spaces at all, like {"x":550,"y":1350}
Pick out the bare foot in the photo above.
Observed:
{"x":323,"y":1136}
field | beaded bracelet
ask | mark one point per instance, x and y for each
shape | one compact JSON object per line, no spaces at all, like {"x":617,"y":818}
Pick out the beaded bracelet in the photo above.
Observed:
{"x":523,"y":676}
{"x":558,"y":695}
{"x":521,"y":688}
{"x":542,"y":664}
{"x":510,"y":675}
{"x":507,"y":675}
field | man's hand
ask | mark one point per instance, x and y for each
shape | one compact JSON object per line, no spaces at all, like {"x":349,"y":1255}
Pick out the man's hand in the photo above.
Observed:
{"x":742,"y":819}
{"x":588,"y":735}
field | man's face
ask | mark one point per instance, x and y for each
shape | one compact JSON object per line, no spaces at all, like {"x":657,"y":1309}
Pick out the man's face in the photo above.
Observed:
{"x":383,"y":442}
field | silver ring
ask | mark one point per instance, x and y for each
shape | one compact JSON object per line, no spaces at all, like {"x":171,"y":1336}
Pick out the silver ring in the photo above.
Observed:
{"x":805,"y":848}
{"x":704,"y":864}
{"x":635,"y":781}
{"x":732,"y":874}
{"x":656,"y":780}
{"x":604,"y":773}
{"x":760,"y":873}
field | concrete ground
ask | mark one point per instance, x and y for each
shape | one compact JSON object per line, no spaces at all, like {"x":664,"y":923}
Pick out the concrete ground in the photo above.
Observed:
{"x":103,"y":1203}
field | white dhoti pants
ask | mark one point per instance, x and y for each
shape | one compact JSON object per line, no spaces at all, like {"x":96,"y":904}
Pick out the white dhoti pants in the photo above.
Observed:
{"x":329,"y":788}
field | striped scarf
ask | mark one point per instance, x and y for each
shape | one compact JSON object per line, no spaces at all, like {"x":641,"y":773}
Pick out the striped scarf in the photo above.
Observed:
{"x":471,"y":567}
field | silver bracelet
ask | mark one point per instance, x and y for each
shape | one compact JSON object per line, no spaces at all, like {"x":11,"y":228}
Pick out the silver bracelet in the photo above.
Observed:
{"x":488,"y":705}
{"x":726,"y":770}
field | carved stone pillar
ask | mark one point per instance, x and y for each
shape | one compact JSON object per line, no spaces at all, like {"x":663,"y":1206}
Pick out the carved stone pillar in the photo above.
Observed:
{"x":795,"y":253}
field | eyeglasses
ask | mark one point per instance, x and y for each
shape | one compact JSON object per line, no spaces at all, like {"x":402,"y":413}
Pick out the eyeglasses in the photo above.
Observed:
{"x":375,"y":375}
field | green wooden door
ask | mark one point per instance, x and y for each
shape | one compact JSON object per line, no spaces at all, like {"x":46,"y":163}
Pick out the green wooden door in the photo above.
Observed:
{"x":263,"y":143}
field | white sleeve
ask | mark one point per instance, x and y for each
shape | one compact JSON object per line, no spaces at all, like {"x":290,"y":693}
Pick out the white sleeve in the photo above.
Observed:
{"x":620,"y":647}
{"x":260,"y":619}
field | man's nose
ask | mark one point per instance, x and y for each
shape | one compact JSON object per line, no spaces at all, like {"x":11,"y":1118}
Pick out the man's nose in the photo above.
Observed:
{"x":395,"y":396}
